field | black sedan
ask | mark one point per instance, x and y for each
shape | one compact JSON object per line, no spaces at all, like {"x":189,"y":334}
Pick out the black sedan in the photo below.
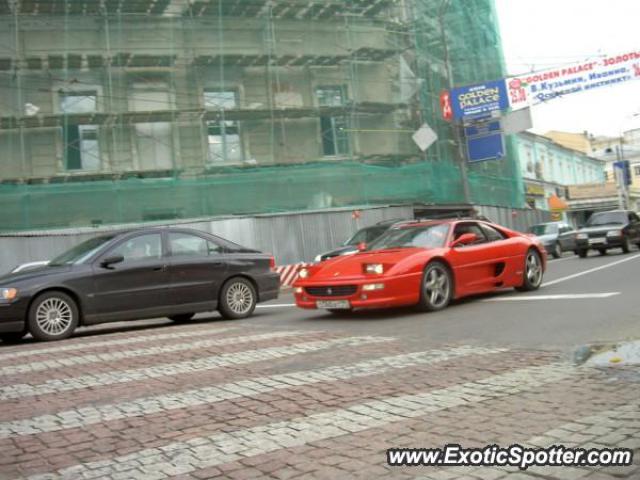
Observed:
{"x":138,"y":274}
{"x":605,"y":230}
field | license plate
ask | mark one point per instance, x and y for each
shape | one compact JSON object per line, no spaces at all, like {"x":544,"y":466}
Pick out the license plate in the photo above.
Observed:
{"x":334,"y":304}
{"x":593,"y":241}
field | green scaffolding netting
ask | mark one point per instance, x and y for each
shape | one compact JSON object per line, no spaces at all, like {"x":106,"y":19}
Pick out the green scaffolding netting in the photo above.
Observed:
{"x":118,"y":112}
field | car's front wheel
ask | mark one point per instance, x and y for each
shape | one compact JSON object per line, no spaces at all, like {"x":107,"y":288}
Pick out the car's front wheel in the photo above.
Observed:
{"x":626,"y":245}
{"x":582,"y":253}
{"x":557,"y":250}
{"x":237,"y":299}
{"x":437,"y":287}
{"x":532,"y":272}
{"x":53,"y":316}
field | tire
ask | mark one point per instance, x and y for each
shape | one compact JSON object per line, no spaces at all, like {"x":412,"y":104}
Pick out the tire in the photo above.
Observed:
{"x":626,"y":244}
{"x":53,"y":316}
{"x":183,"y":317}
{"x":557,"y":250}
{"x":602,"y":251}
{"x":436,"y":287}
{"x":532,"y":274}
{"x":12,"y":337}
{"x":582,"y":253}
{"x":238,"y":298}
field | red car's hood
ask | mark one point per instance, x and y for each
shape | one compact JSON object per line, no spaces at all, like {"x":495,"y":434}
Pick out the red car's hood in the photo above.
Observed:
{"x":349,"y":266}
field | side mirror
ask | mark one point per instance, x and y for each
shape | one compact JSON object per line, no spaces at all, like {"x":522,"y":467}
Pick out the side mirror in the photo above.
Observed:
{"x":465,"y":239}
{"x":107,"y":262}
{"x":362,"y":247}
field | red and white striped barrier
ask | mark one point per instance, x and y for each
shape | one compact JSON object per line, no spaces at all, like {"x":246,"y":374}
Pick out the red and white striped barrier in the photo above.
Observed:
{"x":289,"y":273}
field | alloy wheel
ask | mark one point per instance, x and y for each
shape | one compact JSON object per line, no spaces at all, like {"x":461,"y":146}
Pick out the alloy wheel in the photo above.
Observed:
{"x":54,"y":316}
{"x":534,"y":269}
{"x":437,"y":286}
{"x":239,"y":298}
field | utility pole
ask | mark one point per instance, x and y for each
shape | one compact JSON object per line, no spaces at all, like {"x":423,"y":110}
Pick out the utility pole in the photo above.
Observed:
{"x":457,"y":136}
{"x":623,"y":200}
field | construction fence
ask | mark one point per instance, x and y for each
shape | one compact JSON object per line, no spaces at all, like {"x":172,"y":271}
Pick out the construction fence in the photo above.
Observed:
{"x":115,"y":112}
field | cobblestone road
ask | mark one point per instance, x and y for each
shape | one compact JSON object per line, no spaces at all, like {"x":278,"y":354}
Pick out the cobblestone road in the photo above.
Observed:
{"x":228,"y":400}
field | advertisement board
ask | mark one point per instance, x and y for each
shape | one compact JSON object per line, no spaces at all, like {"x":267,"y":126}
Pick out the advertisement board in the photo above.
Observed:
{"x":537,"y":87}
{"x":479,"y":99}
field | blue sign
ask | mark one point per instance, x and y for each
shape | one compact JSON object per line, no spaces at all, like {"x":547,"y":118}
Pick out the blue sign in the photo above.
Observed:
{"x":486,"y":147}
{"x":479,"y":99}
{"x":476,"y":129}
{"x":625,"y":166}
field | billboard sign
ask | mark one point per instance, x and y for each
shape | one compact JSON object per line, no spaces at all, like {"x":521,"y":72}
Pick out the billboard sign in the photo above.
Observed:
{"x":479,"y":99}
{"x":534,"y":88}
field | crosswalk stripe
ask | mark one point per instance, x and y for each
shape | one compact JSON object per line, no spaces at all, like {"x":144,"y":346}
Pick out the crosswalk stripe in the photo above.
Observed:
{"x":82,"y":417}
{"x":198,"y":453}
{"x":86,"y":345}
{"x":17,"y":391}
{"x":157,"y":350}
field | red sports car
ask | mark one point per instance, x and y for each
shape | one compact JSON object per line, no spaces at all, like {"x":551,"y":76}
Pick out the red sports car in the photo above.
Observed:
{"x":425,"y":263}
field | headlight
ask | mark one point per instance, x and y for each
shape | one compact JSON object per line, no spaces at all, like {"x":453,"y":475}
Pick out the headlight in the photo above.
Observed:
{"x":303,"y":273}
{"x":369,"y":287}
{"x":582,"y":236}
{"x":298,"y":290}
{"x":318,"y":259}
{"x":8,"y":293}
{"x":375,"y":268}
{"x":614,"y":233}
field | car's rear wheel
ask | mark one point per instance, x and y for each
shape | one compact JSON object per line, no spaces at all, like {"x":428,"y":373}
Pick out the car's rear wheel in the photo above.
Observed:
{"x":532,"y":272}
{"x":582,"y":253}
{"x":53,"y":316}
{"x":436,"y":288}
{"x":557,"y":250}
{"x":12,"y":337}
{"x":237,"y":299}
{"x":183,"y":317}
{"x":626,"y":245}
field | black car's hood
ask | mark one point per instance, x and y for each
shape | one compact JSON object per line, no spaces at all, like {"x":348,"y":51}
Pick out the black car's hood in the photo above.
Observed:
{"x":46,"y":270}
{"x":601,"y":228}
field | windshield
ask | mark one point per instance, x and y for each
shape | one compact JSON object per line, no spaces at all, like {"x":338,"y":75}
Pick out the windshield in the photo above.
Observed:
{"x":544,"y":229}
{"x":366,"y":235}
{"x":80,"y":252}
{"x":432,"y":236}
{"x":607,"y":218}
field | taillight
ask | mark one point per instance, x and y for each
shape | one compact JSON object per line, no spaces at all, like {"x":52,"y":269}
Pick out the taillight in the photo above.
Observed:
{"x":272,"y":263}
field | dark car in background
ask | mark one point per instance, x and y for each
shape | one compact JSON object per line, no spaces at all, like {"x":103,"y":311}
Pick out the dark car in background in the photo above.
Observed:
{"x":364,"y":235}
{"x":144,"y":273}
{"x":605,"y":230}
{"x":557,"y":237}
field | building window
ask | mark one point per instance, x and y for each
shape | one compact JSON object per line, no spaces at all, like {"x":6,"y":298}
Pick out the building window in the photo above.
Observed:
{"x":636,"y":170}
{"x":333,"y":130}
{"x":153,"y":139}
{"x":81,"y":149}
{"x":223,"y":137}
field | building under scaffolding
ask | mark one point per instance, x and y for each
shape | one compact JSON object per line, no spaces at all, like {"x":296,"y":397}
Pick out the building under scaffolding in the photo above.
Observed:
{"x":119,"y":111}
